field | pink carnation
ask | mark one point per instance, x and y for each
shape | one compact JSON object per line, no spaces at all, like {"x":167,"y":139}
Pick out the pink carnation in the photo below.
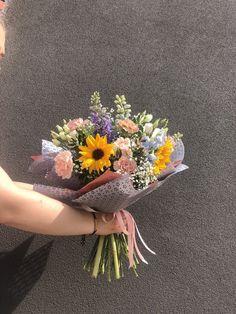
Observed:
{"x":128,"y":125}
{"x":125,"y":164}
{"x":75,"y":123}
{"x":124,"y":145}
{"x":64,"y":164}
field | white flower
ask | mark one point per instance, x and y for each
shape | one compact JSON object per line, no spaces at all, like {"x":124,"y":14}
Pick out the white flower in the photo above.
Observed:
{"x":148,"y":118}
{"x":148,"y":127}
{"x":158,"y":136}
{"x":156,"y":132}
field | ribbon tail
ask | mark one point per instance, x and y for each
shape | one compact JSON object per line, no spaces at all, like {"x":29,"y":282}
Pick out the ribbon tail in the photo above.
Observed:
{"x":121,"y":222}
{"x":129,"y":229}
{"x":143,"y":240}
{"x":130,"y":239}
{"x":131,"y":251}
{"x":137,"y":250}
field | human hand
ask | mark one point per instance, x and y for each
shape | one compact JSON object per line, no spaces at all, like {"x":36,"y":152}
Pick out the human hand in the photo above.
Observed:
{"x":2,"y":40}
{"x":107,"y":224}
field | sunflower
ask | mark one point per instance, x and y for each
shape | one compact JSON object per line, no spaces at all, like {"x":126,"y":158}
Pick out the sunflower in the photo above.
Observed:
{"x":163,"y":156}
{"x":95,"y":156}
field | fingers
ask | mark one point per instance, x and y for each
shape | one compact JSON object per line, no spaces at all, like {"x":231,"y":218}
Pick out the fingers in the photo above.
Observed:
{"x":2,"y":53}
{"x":2,"y":5}
{"x":107,"y":224}
{"x":2,"y":41}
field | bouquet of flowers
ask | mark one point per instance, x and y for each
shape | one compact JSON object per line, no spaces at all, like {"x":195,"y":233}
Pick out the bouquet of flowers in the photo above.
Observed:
{"x":106,"y":163}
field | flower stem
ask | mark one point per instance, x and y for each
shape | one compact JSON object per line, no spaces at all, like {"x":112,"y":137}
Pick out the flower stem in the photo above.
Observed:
{"x":90,"y":259}
{"x":109,"y":260}
{"x":102,"y":263}
{"x":98,"y":257}
{"x":125,"y":248}
{"x":115,"y":257}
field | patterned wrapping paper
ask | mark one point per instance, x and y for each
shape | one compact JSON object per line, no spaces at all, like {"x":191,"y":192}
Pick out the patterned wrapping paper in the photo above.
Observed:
{"x":119,"y":193}
{"x":109,"y":197}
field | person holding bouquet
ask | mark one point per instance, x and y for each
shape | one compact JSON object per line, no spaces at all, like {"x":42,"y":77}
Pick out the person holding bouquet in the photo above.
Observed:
{"x":23,"y":208}
{"x":96,"y":167}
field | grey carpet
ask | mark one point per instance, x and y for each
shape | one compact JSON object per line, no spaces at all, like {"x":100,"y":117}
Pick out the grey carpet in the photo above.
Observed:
{"x":175,"y":58}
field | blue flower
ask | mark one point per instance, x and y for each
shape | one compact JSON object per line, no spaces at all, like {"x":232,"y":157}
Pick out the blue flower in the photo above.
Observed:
{"x":148,"y":144}
{"x":151,"y":158}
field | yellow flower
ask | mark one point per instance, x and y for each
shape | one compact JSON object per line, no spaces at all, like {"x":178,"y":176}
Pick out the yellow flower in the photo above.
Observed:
{"x":163,"y":156}
{"x":95,"y":156}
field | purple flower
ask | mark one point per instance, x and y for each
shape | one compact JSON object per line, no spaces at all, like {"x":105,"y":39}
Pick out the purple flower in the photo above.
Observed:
{"x":103,"y":125}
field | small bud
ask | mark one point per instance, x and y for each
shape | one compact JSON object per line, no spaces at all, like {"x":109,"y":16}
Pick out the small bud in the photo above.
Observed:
{"x":56,"y":142}
{"x":68,"y":137}
{"x":54,"y":134}
{"x":156,"y":123}
{"x":62,"y":135}
{"x":148,"y":118}
{"x":59,"y":128}
{"x":66,"y":128}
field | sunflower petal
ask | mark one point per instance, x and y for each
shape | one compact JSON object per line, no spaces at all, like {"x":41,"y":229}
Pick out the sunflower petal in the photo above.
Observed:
{"x":91,"y":141}
{"x":84,"y":148}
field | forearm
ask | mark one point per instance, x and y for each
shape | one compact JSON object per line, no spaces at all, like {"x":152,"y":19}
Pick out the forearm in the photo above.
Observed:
{"x":28,"y":210}
{"x":38,"y":213}
{"x":24,"y":185}
{"x":32,"y":211}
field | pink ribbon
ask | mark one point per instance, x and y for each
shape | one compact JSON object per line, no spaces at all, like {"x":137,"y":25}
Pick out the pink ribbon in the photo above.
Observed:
{"x":129,"y":229}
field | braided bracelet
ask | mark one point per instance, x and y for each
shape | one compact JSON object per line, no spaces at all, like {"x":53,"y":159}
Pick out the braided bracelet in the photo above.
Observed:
{"x":95,"y":223}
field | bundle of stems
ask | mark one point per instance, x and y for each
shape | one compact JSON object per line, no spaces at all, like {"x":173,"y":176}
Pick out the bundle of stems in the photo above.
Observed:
{"x":107,"y":256}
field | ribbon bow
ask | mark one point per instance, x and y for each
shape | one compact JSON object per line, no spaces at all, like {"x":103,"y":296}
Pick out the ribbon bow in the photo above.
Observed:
{"x":129,"y":229}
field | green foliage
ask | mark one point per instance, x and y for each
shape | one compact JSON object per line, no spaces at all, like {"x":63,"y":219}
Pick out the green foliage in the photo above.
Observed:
{"x":177,"y":136}
{"x":122,"y":108}
{"x":96,"y":104}
{"x":142,"y":118}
